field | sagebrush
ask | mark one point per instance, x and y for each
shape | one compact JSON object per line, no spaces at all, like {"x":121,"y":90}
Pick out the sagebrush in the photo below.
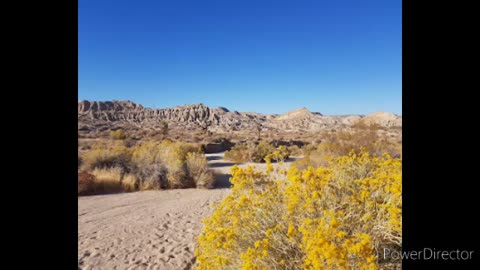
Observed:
{"x":148,"y":165}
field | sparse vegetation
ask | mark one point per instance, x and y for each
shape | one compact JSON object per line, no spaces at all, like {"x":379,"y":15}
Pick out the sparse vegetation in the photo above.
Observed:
{"x":104,"y":155}
{"x":149,"y":165}
{"x":238,"y":153}
{"x":258,"y":152}
{"x":340,"y":143}
{"x":111,"y":180}
{"x":251,"y":152}
{"x":336,"y":206}
{"x":308,"y":149}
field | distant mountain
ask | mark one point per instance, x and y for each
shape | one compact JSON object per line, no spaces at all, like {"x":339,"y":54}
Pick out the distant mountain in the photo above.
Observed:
{"x":92,"y":114}
{"x":383,"y":119}
{"x":302,"y":113}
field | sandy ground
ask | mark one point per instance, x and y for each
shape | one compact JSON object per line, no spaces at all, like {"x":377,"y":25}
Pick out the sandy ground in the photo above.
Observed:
{"x":150,"y":229}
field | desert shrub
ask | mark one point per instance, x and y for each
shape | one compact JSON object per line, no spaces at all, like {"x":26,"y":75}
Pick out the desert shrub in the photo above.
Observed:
{"x":155,"y":152}
{"x":164,"y":165}
{"x":367,"y":137}
{"x":108,"y":180}
{"x":152,"y":176}
{"x":341,"y":143}
{"x":294,"y":150}
{"x":130,"y":182}
{"x":103,"y":156}
{"x":118,"y":134}
{"x":149,"y":165}
{"x":198,"y":170}
{"x":251,"y":152}
{"x":260,"y":151}
{"x":177,"y":174}
{"x":280,"y":154}
{"x":185,"y":148}
{"x":361,"y":124}
{"x":313,"y":159}
{"x":238,"y":153}
{"x":385,"y":145}
{"x":307,"y":149}
{"x":86,"y":183}
{"x":332,"y":217}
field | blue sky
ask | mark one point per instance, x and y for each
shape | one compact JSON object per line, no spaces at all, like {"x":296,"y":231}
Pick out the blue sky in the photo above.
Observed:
{"x":331,"y":56}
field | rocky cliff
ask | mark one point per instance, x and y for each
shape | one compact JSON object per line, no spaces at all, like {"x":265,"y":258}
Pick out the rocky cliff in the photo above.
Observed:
{"x":199,"y":116}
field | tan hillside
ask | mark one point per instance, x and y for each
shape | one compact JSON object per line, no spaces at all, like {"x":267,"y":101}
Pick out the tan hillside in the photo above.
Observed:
{"x":383,"y":119}
{"x":100,"y":117}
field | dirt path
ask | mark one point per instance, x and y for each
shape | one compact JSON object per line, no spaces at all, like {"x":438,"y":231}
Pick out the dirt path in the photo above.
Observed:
{"x":147,"y":230}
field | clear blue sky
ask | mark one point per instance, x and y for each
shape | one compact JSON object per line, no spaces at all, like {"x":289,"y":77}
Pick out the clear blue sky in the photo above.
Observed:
{"x":331,"y":56}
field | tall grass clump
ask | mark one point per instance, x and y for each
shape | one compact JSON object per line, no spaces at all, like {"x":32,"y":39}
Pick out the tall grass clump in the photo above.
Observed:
{"x":145,"y":166}
{"x":105,"y":155}
{"x":197,"y":168}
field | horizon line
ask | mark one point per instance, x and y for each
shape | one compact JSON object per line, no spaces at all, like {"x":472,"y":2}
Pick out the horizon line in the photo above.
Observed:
{"x":201,"y":103}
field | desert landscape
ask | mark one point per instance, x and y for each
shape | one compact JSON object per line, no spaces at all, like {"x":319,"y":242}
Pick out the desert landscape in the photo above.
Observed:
{"x":228,"y":135}
{"x":190,"y":122}
{"x":157,"y":185}
{"x":150,"y":229}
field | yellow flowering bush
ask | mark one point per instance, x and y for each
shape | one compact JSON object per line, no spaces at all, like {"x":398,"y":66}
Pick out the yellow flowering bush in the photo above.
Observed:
{"x":330,"y":217}
{"x":280,"y":154}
